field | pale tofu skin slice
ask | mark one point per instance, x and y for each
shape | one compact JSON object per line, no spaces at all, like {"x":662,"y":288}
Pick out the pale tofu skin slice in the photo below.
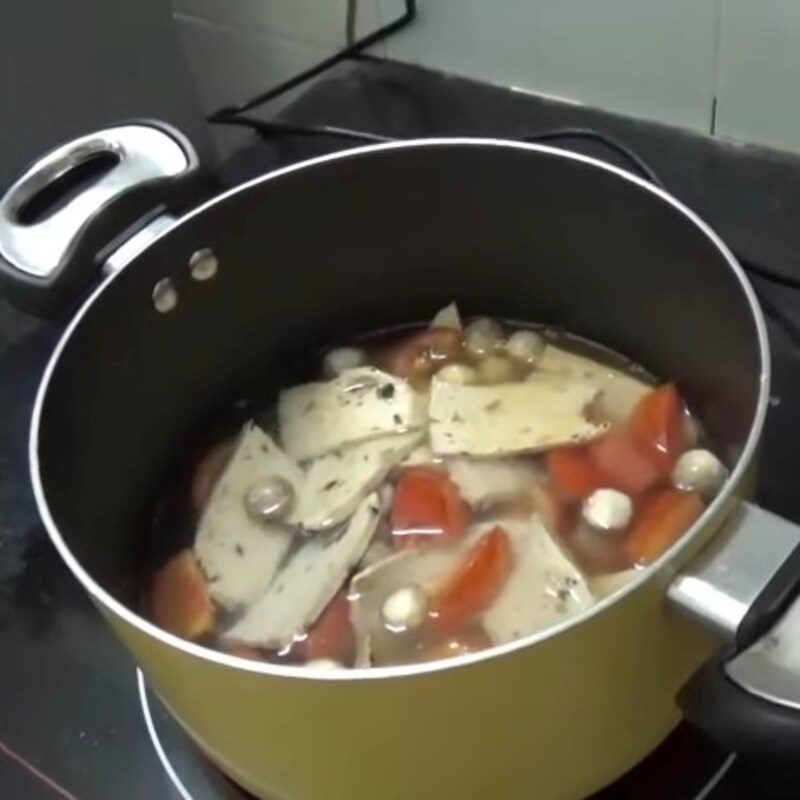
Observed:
{"x":370,"y":588}
{"x":619,"y":392}
{"x":544,"y":587}
{"x":486,"y":480}
{"x":360,"y":404}
{"x":447,"y":317}
{"x":308,"y":582}
{"x":335,"y":483}
{"x":510,"y":417}
{"x":238,"y":555}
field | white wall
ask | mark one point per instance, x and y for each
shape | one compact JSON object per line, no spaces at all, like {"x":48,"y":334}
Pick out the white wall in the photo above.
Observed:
{"x":668,"y":60}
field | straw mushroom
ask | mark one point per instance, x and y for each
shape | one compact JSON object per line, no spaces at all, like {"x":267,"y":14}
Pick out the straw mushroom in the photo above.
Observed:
{"x":699,"y":471}
{"x":525,"y":346}
{"x":405,"y":608}
{"x":483,"y":337}
{"x":608,"y":510}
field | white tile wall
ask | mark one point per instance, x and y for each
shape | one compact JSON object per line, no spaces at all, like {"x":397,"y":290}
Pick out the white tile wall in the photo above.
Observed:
{"x":759,"y":72}
{"x":651,"y":58}
{"x":239,"y":48}
{"x":232,"y":65}
{"x":319,"y":22}
{"x":666,"y":60}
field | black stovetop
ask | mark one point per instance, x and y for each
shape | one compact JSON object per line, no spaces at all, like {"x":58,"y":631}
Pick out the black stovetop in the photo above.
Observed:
{"x":71,"y":718}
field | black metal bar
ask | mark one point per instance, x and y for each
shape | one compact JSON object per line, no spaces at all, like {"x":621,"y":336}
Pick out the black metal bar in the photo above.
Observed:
{"x":225,"y":114}
{"x":270,"y":127}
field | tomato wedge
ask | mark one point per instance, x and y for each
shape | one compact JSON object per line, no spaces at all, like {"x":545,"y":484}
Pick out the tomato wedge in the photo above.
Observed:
{"x":658,"y":423}
{"x":427,"y":506}
{"x":421,"y":351}
{"x":663,"y":516}
{"x":573,"y":472}
{"x":476,"y":582}
{"x":624,"y":463}
{"x":179,"y":599}
{"x":331,"y":636}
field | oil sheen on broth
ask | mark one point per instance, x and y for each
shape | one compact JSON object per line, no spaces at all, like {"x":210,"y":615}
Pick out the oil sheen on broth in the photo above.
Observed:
{"x":429,"y":494}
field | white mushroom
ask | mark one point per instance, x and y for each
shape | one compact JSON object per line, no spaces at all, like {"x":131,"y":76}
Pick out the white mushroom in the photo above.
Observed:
{"x":269,"y":499}
{"x":699,"y":471}
{"x":483,"y":336}
{"x":608,"y":510}
{"x":342,"y":358}
{"x":525,"y":346}
{"x":405,"y":608}
{"x":457,"y":373}
{"x":496,"y":369}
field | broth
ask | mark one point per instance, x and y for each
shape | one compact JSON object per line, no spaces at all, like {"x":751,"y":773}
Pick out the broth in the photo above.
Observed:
{"x":429,"y":492}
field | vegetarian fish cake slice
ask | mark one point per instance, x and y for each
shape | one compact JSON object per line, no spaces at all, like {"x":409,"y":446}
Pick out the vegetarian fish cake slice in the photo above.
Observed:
{"x":239,"y":555}
{"x":360,"y":404}
{"x":307,"y":583}
{"x":510,"y":417}
{"x":544,"y":587}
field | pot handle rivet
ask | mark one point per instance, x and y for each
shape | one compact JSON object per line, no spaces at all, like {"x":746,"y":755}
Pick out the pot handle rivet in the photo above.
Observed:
{"x":203,"y":264}
{"x":165,"y":296}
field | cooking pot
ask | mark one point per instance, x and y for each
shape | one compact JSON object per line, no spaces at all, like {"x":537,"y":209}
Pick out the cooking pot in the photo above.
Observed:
{"x":191,"y":310}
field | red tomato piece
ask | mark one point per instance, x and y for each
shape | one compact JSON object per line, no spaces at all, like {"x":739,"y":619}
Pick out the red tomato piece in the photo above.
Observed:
{"x":427,"y":506}
{"x":476,"y":582}
{"x":331,"y":636}
{"x":624,"y":463}
{"x":208,"y":472}
{"x":179,"y":599}
{"x":573,"y":472}
{"x":659,"y":423}
{"x":421,"y":350}
{"x":664,"y":515}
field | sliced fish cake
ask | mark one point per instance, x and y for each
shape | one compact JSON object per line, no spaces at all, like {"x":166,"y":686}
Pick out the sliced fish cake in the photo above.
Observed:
{"x":360,"y":404}
{"x":544,"y":587}
{"x":307,"y":583}
{"x":510,"y":417}
{"x":239,"y":555}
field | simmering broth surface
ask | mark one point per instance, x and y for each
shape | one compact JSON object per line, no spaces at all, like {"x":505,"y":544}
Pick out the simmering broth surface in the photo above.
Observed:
{"x":425,"y":493}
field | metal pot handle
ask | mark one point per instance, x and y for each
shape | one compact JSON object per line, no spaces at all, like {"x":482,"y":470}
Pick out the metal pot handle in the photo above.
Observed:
{"x":63,"y":217}
{"x":746,"y":587}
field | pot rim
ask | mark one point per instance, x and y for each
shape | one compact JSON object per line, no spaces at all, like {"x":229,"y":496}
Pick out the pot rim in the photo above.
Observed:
{"x":100,"y":595}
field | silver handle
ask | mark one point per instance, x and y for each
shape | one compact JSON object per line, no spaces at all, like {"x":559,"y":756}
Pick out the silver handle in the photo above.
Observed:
{"x":142,"y":153}
{"x":723,"y":582}
{"x":746,"y":587}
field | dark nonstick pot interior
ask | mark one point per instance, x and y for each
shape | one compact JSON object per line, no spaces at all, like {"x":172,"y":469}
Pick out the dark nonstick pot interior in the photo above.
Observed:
{"x":361,"y":241}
